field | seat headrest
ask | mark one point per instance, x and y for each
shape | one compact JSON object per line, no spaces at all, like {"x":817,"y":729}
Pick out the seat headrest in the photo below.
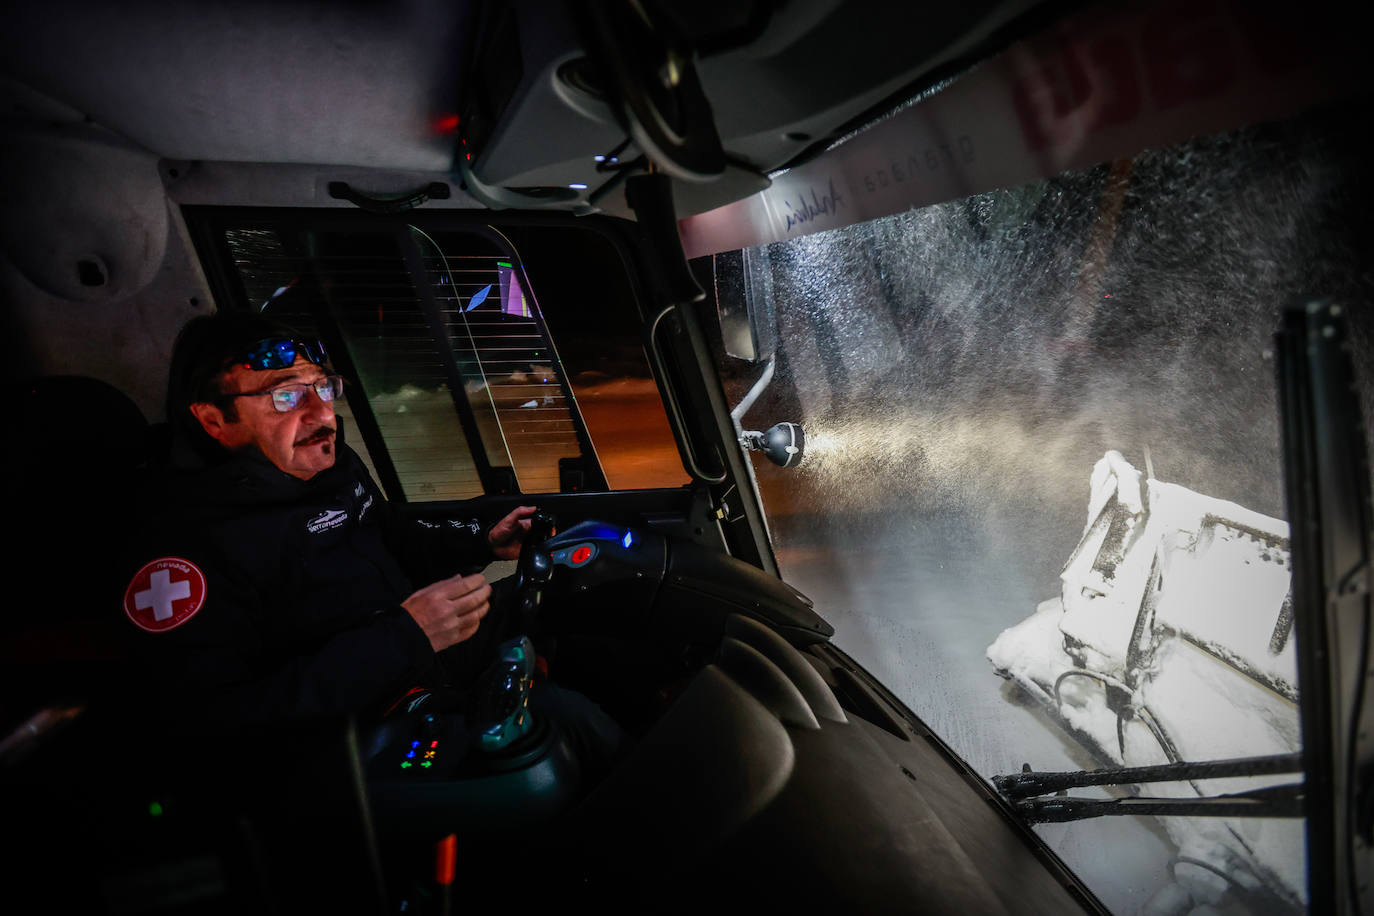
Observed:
{"x":63,"y":422}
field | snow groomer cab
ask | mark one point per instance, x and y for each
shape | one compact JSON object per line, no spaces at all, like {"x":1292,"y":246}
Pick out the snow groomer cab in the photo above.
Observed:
{"x":947,"y":425}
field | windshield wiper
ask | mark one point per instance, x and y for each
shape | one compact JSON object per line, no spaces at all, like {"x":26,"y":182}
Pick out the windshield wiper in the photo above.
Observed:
{"x":1275,"y":801}
{"x":1025,"y":788}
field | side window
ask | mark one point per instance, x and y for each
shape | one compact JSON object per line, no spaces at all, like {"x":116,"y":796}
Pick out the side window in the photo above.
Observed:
{"x":512,"y":382}
{"x":459,"y":388}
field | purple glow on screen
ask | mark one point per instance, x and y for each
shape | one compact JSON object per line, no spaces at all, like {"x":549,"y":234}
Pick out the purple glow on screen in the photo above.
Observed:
{"x":513,"y":300}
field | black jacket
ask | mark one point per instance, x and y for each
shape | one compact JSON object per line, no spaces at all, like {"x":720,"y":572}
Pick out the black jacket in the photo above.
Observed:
{"x":302,"y":584}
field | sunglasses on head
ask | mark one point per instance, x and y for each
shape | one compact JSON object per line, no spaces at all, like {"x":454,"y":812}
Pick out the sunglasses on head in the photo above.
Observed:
{"x":280,"y":353}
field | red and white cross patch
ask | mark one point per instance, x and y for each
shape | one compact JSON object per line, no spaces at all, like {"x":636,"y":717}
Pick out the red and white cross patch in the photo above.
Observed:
{"x":165,"y":594}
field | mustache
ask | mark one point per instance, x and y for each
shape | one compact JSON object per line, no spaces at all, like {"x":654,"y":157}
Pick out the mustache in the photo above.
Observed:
{"x":319,"y":434}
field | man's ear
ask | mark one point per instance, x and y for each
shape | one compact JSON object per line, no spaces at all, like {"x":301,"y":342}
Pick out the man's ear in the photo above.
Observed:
{"x":212,"y":420}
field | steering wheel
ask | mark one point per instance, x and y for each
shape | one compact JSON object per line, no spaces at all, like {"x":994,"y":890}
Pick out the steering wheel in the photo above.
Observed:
{"x":534,"y":569}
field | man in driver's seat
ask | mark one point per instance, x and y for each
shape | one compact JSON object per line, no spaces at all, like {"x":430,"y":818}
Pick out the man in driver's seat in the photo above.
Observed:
{"x":274,"y":584}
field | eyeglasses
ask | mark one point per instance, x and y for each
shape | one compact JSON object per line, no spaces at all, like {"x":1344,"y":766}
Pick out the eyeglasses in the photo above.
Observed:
{"x":286,"y":398}
{"x":280,"y":353}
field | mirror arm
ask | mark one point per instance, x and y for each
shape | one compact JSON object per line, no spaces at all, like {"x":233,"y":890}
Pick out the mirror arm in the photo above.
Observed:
{"x":742,"y":408}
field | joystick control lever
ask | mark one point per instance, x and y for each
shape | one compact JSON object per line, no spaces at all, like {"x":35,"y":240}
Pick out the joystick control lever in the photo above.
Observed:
{"x":542,"y":527}
{"x":500,"y":709}
{"x":534,"y":569}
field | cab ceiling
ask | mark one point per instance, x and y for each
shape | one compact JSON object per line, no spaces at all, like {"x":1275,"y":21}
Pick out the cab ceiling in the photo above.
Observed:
{"x":375,"y":85}
{"x":352,"y":83}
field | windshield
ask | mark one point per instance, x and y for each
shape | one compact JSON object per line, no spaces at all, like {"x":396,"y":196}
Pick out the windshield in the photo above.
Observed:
{"x":1042,"y":497}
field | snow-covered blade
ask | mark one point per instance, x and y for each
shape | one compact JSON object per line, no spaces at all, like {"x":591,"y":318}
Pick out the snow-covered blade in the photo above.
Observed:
{"x":1172,"y":640}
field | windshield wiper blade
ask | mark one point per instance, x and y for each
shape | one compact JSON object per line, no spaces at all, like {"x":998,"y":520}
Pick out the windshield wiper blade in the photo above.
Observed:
{"x":1273,"y":801}
{"x":1031,"y":783}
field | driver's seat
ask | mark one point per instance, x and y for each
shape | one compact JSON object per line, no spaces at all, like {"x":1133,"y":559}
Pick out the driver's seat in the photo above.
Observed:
{"x":78,"y":449}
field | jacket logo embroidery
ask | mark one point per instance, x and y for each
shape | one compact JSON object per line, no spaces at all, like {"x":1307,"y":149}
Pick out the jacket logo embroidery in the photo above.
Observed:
{"x":329,"y":518}
{"x":164,"y":594}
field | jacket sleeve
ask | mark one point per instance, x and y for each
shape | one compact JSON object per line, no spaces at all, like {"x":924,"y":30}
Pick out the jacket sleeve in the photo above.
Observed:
{"x":430,"y":550}
{"x":213,"y":670}
{"x":427,"y":550}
